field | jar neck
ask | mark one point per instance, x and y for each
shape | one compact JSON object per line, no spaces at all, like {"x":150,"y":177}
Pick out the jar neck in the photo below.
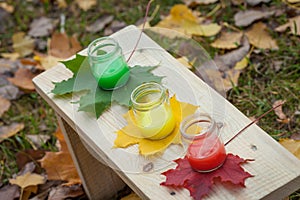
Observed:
{"x":103,"y":49}
{"x":206,"y":127}
{"x":148,"y":96}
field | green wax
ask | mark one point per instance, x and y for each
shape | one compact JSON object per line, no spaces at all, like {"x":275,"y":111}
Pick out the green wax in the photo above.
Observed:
{"x":114,"y":75}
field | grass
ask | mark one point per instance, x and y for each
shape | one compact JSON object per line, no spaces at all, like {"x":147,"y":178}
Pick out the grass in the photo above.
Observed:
{"x":271,"y":75}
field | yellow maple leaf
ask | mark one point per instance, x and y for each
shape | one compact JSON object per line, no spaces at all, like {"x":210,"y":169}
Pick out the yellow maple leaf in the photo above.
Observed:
{"x":259,"y":37}
{"x":149,"y":147}
{"x":181,"y":19}
{"x":28,"y":179}
{"x":291,"y":145}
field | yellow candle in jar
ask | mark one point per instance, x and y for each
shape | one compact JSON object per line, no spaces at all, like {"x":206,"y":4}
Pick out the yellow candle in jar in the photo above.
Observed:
{"x":152,"y":111}
{"x":156,"y":123}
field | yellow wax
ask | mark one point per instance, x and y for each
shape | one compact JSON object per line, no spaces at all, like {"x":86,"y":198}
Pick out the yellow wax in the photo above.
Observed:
{"x":156,"y":123}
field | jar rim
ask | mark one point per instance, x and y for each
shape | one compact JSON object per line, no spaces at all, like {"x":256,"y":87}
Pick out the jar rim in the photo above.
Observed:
{"x":193,"y":119}
{"x":94,"y":43}
{"x":142,"y":90}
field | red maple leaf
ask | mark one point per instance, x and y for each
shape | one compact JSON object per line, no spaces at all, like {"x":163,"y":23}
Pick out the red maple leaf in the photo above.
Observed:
{"x":199,"y":184}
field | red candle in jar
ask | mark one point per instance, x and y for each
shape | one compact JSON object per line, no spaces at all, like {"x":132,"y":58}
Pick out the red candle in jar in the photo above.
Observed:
{"x":206,"y":151}
{"x":204,"y":155}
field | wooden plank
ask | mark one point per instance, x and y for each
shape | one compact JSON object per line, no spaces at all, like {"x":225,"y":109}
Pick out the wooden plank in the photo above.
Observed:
{"x":277,"y":172}
{"x":99,"y":181}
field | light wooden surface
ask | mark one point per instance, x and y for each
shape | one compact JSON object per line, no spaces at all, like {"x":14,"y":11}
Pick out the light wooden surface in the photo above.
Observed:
{"x":276,"y":171}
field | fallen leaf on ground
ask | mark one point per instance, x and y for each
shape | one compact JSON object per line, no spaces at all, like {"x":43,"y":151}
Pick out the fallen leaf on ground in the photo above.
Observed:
{"x":230,"y":59}
{"x":131,"y":196}
{"x":245,"y":18}
{"x":114,"y":27}
{"x":259,"y":37}
{"x":46,"y":61}
{"x":38,"y":140}
{"x":7,"y":7}
{"x":28,"y":190}
{"x":9,"y":192}
{"x":4,"y":105}
{"x":66,"y":170}
{"x":62,"y":3}
{"x":12,"y":56}
{"x":255,"y":2}
{"x":193,"y":3}
{"x":291,"y":145}
{"x":65,"y":192}
{"x":7,"y":65}
{"x":130,"y":134}
{"x":10,"y":130}
{"x":9,"y":92}
{"x":185,"y":61}
{"x":23,"y":79}
{"x":86,"y":4}
{"x":293,"y":24}
{"x":181,"y":19}
{"x":243,"y":63}
{"x":293,"y":1}
{"x":61,"y":46}
{"x":280,"y":114}
{"x":199,"y":184}
{"x":28,"y":179}
{"x":22,"y":44}
{"x":28,"y":155}
{"x":228,"y":40}
{"x":99,"y":24}
{"x":41,"y":27}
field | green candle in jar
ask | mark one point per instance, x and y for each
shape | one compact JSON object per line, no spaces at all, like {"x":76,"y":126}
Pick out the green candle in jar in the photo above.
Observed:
{"x":107,"y":63}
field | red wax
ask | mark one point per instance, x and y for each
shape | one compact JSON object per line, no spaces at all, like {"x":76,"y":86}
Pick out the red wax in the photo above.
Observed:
{"x":206,"y":155}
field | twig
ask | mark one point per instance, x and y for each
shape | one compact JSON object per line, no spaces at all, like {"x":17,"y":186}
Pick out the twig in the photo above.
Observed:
{"x":145,"y":20}
{"x":254,"y":121}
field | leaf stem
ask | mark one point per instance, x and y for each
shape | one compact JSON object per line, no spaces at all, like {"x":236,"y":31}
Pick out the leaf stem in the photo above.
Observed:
{"x":145,"y":20}
{"x":254,"y":121}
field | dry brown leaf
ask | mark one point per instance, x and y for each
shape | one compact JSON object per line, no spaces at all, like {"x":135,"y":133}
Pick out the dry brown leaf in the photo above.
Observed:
{"x":199,"y":2}
{"x":230,"y":59}
{"x":181,"y":19}
{"x":259,"y":37}
{"x":86,"y":4}
{"x":27,"y":179}
{"x":228,"y":40}
{"x":9,"y":192}
{"x":291,"y":145}
{"x":41,"y":27}
{"x":28,"y":155}
{"x":28,"y":190}
{"x":99,"y":24}
{"x":22,"y":44}
{"x":255,"y":2}
{"x":7,"y":7}
{"x":293,"y":1}
{"x":66,"y":170}
{"x":62,"y":3}
{"x":4,"y":105}
{"x":61,"y":46}
{"x":293,"y":25}
{"x":23,"y":79}
{"x":64,"y":192}
{"x":8,"y":131}
{"x":278,"y":111}
{"x":245,"y":18}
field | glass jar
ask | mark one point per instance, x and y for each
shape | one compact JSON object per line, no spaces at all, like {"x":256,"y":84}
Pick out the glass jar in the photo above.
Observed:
{"x":152,"y":111}
{"x":107,"y":63}
{"x":206,"y":151}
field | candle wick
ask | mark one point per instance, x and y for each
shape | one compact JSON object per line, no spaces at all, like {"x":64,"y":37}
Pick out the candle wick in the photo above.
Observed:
{"x":254,"y":121}
{"x":143,"y":27}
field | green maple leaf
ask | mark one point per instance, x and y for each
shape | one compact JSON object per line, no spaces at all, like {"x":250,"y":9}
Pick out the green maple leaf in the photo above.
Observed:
{"x":97,"y":100}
